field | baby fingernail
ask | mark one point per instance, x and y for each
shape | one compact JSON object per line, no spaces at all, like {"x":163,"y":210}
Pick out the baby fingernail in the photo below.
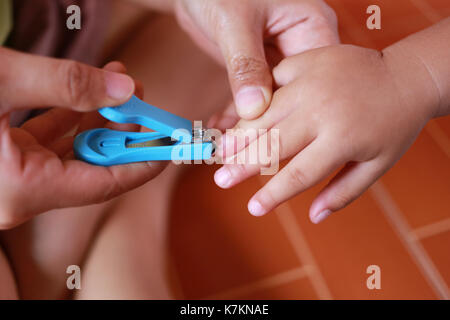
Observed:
{"x":118,"y":86}
{"x":222,"y":177}
{"x":250,"y":100}
{"x":321,"y":216}
{"x":255,"y":208}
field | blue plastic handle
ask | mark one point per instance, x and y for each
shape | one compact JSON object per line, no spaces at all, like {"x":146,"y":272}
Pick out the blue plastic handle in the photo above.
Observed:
{"x":106,"y":147}
{"x":138,"y":112}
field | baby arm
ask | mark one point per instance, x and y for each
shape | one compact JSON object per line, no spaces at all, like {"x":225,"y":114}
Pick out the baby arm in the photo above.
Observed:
{"x":431,"y":48}
{"x":346,"y":108}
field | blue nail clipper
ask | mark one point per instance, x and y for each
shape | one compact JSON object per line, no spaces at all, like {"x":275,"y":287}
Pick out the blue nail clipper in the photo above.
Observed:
{"x":173,"y":137}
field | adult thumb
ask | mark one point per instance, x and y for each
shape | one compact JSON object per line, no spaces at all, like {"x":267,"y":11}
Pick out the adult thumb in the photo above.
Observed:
{"x":249,"y":74}
{"x":29,"y":81}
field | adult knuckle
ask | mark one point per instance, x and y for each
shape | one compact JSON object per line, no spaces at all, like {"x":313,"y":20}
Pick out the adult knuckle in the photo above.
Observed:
{"x":115,"y":186}
{"x":77,"y":82}
{"x":244,"y":68}
{"x":109,"y":192}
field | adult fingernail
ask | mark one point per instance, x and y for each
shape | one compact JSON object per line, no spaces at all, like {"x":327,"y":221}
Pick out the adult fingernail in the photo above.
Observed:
{"x":321,"y":216}
{"x":222,"y":177}
{"x":118,"y":86}
{"x":251,"y":101}
{"x":255,"y":208}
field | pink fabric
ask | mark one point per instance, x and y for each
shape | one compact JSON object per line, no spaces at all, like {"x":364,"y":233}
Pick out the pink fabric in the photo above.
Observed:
{"x":40,"y":28}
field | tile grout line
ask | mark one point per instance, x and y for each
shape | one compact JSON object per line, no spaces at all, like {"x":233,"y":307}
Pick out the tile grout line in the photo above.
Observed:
{"x":428,"y":11}
{"x":413,"y":246}
{"x":293,"y":231}
{"x":432,"y":229}
{"x":262,"y":284}
{"x":439,"y":136}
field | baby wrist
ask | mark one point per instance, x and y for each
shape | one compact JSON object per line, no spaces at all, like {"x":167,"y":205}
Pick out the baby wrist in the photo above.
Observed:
{"x":415,"y":83}
{"x":427,"y":54}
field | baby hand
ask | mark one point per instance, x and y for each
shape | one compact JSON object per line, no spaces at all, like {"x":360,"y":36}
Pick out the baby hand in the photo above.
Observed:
{"x":338,"y":107}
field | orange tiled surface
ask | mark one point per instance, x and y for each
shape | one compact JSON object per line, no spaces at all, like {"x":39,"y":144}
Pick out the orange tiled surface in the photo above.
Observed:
{"x":402,"y":224}
{"x":440,"y":257}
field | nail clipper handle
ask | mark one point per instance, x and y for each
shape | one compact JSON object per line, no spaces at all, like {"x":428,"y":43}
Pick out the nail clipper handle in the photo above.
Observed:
{"x":138,"y":112}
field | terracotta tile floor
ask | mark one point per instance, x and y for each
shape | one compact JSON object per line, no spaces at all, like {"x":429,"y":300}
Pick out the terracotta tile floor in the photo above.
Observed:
{"x":402,"y":224}
{"x":433,"y":244}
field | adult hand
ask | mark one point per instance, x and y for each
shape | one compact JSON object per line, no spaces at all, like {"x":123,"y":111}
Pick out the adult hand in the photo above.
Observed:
{"x":37,"y":169}
{"x":251,"y":37}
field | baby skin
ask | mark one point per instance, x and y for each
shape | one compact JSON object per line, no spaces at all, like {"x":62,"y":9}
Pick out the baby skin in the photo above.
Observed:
{"x":349,"y":108}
